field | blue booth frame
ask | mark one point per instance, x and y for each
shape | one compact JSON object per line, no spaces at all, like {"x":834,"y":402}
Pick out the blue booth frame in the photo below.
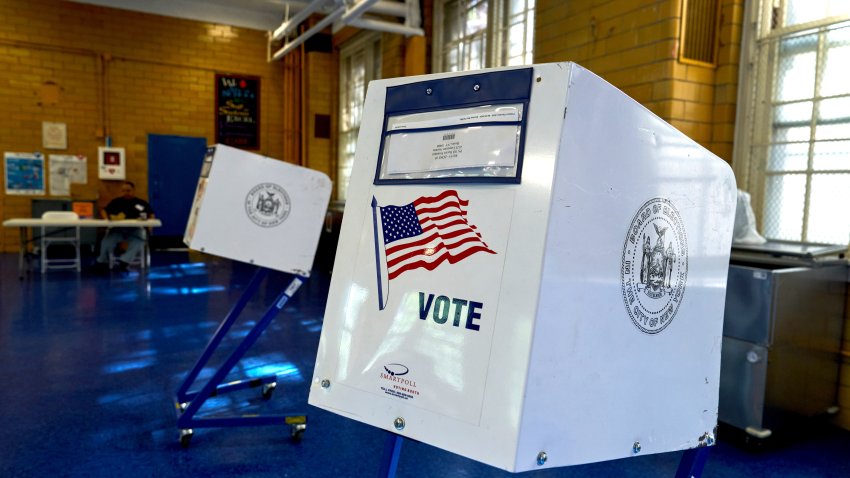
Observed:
{"x":188,"y":403}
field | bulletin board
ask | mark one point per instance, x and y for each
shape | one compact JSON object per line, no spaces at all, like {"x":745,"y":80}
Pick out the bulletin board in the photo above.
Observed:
{"x":24,"y":173}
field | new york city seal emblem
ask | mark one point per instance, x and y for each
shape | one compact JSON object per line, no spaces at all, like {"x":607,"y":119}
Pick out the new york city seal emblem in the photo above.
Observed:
{"x":654,"y":269}
{"x":267,"y":204}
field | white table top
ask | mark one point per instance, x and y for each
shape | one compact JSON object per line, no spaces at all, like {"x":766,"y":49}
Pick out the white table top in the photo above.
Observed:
{"x":37,"y":222}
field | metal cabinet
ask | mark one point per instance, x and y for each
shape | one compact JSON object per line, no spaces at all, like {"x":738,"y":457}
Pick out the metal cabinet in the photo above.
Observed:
{"x":781,"y":339}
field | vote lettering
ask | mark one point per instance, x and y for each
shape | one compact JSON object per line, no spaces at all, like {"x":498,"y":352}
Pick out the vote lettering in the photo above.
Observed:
{"x":441,"y":309}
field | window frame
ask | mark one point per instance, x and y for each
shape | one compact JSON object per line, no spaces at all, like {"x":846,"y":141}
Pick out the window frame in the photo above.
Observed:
{"x":495,"y":33}
{"x":757,"y":79}
{"x":362,"y":42}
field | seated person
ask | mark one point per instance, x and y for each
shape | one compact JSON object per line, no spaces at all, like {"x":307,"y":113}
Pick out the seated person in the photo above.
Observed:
{"x":126,"y":206}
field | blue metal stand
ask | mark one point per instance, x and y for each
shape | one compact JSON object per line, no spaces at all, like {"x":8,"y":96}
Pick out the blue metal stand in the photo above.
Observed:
{"x":389,"y":460}
{"x":692,"y":463}
{"x":188,"y":403}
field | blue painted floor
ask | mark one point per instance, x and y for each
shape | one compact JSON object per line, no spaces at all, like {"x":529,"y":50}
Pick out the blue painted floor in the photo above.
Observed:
{"x":89,"y":364}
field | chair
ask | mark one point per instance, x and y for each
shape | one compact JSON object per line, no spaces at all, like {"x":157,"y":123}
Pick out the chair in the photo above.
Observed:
{"x":54,"y":235}
{"x":144,"y":258}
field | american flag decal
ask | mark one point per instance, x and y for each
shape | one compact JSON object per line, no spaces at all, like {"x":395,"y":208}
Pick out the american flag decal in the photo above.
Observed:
{"x":422,"y":235}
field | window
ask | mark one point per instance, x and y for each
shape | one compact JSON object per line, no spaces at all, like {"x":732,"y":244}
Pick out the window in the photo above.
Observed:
{"x":516,"y":34}
{"x":475,"y":34}
{"x":794,"y":155}
{"x":360,"y":63}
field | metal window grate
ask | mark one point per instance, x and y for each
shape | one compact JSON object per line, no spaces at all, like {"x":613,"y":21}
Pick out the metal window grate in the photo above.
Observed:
{"x":700,"y":22}
{"x":516,"y":34}
{"x":464,"y":42}
{"x":804,"y":135}
{"x":474,"y":34}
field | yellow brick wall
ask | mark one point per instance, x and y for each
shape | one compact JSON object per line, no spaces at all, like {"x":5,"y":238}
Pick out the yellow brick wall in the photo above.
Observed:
{"x":630,"y":44}
{"x":321,"y":94}
{"x":706,"y":96}
{"x":124,"y":74}
{"x":634,"y":46}
{"x":392,"y":55}
{"x":726,"y":78}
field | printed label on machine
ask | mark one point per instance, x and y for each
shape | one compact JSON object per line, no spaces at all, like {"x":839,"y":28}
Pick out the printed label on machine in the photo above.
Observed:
{"x":432,"y":347}
{"x":466,"y":138}
{"x":494,"y":146}
{"x":456,"y":117}
{"x":193,"y":216}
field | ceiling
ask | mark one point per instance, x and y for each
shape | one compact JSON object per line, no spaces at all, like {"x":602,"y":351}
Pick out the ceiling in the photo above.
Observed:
{"x":256,"y":14}
{"x":269,"y":15}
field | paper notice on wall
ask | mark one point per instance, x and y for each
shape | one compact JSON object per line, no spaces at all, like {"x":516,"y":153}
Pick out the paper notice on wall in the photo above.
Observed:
{"x":64,"y":171}
{"x":54,"y":135}
{"x":78,"y":169}
{"x":84,"y":209}
{"x":60,"y":185}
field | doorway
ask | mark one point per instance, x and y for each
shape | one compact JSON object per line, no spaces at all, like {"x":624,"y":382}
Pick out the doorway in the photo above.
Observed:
{"x":174,"y":165}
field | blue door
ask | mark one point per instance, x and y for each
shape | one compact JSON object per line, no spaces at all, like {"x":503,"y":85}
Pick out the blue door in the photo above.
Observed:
{"x":174,"y":164}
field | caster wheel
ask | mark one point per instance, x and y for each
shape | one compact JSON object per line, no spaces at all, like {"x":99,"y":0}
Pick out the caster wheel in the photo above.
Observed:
{"x":296,"y":432}
{"x":268,"y":389}
{"x":185,"y":437}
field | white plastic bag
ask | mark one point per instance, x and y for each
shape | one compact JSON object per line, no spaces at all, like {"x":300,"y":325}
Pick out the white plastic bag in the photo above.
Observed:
{"x":745,"y":231}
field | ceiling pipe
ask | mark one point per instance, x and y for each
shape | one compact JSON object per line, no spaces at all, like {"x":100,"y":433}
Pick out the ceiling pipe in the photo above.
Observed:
{"x":382,"y":26}
{"x":288,"y":26}
{"x":357,"y":10}
{"x":413,"y":18}
{"x":321,"y":25}
{"x":381,"y":7}
{"x":343,"y":16}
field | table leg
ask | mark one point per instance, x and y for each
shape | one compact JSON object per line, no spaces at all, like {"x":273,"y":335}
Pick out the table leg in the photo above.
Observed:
{"x":22,"y":250}
{"x":79,"y":251}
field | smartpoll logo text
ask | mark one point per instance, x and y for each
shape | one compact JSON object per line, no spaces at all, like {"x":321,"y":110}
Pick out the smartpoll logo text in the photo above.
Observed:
{"x":398,"y":386}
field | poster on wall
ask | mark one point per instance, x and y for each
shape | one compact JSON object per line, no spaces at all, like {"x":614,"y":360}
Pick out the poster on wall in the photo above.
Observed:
{"x":78,"y":169}
{"x":60,"y":184}
{"x":84,"y":209}
{"x":24,"y":173}
{"x":54,"y":135}
{"x":237,"y":111}
{"x":111,"y":163}
{"x":65,"y":170}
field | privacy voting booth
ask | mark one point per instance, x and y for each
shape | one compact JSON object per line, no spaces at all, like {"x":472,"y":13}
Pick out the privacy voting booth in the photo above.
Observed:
{"x":258,"y":210}
{"x":261,"y":211}
{"x":531,"y":271}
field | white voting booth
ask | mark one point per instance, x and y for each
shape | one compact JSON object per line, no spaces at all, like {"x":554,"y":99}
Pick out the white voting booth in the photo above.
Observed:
{"x":262,"y":211}
{"x":531,"y":271}
{"x":259,"y":210}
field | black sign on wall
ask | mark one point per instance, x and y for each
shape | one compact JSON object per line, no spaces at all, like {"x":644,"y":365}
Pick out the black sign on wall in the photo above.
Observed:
{"x":237,"y":111}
